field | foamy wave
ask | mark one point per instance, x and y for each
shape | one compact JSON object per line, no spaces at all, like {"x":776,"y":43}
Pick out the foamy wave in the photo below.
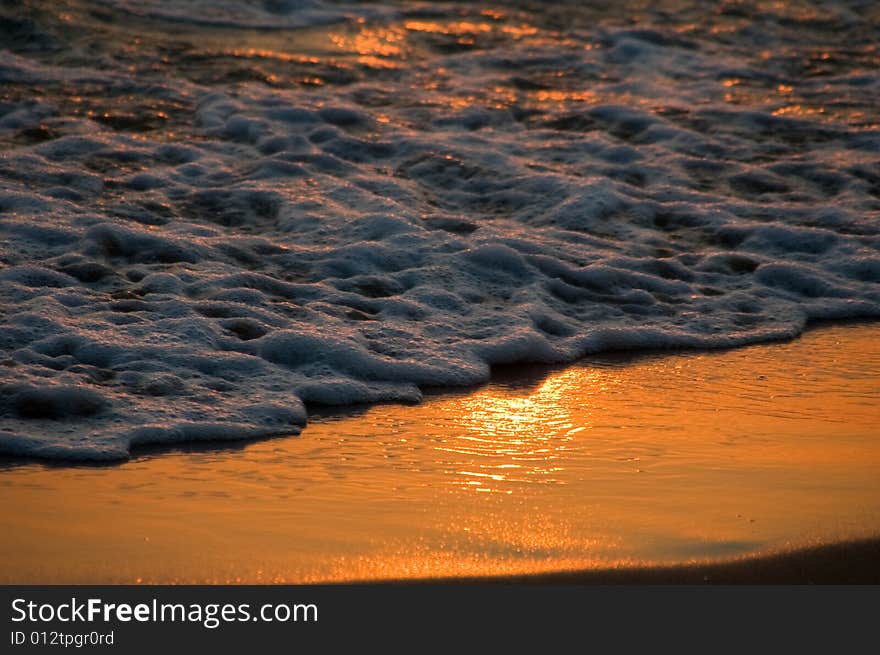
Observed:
{"x":195,"y":257}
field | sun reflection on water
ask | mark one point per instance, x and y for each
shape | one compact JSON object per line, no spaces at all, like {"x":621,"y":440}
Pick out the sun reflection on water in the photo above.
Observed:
{"x":601,"y":464}
{"x":377,"y":47}
{"x":503,"y":441}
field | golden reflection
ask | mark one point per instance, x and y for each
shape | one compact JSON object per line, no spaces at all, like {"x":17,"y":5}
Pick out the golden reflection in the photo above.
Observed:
{"x":560,"y":95}
{"x":799,"y":110}
{"x":502,"y":97}
{"x":784,"y":100}
{"x":509,"y":440}
{"x":264,"y":53}
{"x":374,"y":44}
{"x":456,"y":28}
{"x":519,"y":31}
{"x":614,"y":461}
{"x":495,"y":14}
{"x":388,"y":46}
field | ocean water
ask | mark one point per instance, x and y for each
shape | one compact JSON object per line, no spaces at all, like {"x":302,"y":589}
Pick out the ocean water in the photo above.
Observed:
{"x":215,"y":213}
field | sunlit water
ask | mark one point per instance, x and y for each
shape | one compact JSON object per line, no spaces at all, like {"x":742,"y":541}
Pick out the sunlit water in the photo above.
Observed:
{"x":217,"y":214}
{"x":614,"y":461}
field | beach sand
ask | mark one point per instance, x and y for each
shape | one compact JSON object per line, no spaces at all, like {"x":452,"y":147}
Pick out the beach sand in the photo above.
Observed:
{"x":849,"y":563}
{"x":753,"y":465}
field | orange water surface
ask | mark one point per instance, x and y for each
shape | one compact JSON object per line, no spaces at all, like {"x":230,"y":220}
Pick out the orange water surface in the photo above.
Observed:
{"x":617,"y":460}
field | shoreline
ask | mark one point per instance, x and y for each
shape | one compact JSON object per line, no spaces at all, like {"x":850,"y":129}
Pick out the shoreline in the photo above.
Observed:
{"x":499,"y":373}
{"x":566,"y":475}
{"x":851,"y":562}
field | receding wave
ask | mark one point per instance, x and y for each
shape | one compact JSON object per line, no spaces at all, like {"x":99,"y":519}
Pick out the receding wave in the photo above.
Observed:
{"x":206,"y":225}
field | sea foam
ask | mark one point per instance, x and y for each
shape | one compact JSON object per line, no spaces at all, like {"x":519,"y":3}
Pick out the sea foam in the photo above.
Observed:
{"x":206,"y":230}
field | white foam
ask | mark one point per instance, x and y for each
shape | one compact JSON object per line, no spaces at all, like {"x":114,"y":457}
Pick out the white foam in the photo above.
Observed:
{"x":528,"y":199}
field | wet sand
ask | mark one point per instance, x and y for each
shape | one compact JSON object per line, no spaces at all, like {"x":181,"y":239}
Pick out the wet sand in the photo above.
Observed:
{"x":664,"y":467}
{"x":849,"y":563}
